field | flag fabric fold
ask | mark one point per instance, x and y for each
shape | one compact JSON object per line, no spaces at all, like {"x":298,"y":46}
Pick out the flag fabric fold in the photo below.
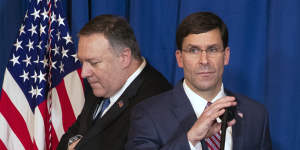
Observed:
{"x":42,"y":91}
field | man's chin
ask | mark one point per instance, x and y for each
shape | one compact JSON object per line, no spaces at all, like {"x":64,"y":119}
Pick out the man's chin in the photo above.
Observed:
{"x":206,"y":86}
{"x":98,"y":93}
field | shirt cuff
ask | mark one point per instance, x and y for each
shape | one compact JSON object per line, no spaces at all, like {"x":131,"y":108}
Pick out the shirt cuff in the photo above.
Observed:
{"x":197,"y":147}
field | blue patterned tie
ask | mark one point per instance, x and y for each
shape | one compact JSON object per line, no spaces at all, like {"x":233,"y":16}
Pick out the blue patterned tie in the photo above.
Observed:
{"x":105,"y":104}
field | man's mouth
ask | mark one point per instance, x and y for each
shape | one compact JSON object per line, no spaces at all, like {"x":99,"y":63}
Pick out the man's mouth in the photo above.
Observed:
{"x":205,"y":74}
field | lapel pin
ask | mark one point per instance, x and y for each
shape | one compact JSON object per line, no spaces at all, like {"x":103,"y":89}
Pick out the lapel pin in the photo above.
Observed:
{"x":121,"y":104}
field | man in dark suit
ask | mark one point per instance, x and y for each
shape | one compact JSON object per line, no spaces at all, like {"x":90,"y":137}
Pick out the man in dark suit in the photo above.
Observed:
{"x":118,"y":78}
{"x":188,"y":117}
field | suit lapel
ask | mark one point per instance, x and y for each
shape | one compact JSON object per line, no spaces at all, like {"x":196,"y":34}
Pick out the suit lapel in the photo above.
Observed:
{"x":108,"y":118}
{"x":92,"y":101}
{"x":237,"y":137}
{"x":182,"y":108}
{"x":105,"y":121}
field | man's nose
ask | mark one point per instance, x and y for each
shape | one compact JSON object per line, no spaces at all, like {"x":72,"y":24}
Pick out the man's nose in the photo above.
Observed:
{"x":85,"y":70}
{"x":203,"y":57}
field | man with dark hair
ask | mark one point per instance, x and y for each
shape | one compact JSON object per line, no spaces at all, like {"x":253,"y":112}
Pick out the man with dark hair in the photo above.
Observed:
{"x":118,"y":78}
{"x":188,"y":117}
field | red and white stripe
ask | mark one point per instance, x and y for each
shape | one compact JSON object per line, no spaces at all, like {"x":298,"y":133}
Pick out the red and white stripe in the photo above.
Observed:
{"x":23,"y":129}
{"x":213,"y":142}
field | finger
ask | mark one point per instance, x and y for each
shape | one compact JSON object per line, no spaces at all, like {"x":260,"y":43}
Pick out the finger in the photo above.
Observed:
{"x":76,"y":142}
{"x":225,"y":99}
{"x":213,"y":116}
{"x":212,"y":109}
{"x":215,"y":128}
{"x":231,"y":123}
{"x":72,"y":146}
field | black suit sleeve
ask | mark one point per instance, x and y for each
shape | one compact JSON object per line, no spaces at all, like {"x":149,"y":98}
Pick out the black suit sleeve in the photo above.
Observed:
{"x":72,"y":131}
{"x":81,"y":123}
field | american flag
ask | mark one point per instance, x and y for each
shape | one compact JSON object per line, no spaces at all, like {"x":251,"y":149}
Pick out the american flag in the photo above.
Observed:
{"x":42,"y":91}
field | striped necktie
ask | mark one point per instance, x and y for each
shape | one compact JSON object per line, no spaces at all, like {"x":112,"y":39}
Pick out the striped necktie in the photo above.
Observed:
{"x":213,"y":142}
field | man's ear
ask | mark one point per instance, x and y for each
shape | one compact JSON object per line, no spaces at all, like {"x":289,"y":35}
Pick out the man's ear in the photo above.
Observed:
{"x":178,"y":55}
{"x":125,"y":57}
{"x":226,"y":56}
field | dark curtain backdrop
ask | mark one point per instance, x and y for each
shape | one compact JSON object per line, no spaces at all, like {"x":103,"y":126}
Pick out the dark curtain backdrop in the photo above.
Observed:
{"x":264,"y":37}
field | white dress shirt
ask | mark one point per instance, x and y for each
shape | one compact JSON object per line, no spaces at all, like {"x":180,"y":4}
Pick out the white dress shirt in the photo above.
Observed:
{"x":116,"y":96}
{"x":199,"y":104}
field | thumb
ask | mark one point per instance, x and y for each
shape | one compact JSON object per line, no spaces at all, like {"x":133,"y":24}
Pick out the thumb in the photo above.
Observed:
{"x":215,"y":128}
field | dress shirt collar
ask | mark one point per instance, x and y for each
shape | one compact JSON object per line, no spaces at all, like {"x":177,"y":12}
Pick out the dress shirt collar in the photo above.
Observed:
{"x":198,"y":102}
{"x":116,"y":96}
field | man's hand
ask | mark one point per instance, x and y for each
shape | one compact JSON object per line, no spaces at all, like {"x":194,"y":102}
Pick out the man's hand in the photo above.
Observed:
{"x":72,"y":146}
{"x":206,"y":125}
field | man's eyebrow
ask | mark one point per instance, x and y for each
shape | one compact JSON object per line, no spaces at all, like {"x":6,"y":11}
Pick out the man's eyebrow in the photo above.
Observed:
{"x":213,"y":46}
{"x":93,"y":59}
{"x":192,"y":46}
{"x":89,"y":59}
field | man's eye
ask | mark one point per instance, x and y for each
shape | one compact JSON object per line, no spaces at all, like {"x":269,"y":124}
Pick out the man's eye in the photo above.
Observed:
{"x":94,"y":63}
{"x":212,"y":50}
{"x":194,"y":50}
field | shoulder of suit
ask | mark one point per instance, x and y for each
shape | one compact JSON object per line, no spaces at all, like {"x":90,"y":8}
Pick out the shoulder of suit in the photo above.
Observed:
{"x":159,"y":101}
{"x":151,"y":76}
{"x":248,"y":103}
{"x":150,"y":70}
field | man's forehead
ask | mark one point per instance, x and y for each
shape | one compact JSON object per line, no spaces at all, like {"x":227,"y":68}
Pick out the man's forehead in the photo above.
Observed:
{"x":211,"y":38}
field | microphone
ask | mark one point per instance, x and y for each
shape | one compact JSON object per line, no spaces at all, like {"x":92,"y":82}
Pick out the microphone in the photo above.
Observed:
{"x":226,"y":117}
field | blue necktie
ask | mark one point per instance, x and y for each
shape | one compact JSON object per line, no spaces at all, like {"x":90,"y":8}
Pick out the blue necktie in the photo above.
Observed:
{"x":105,"y":104}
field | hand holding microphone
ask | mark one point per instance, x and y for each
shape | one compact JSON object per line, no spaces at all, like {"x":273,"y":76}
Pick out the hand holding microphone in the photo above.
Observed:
{"x":206,"y":125}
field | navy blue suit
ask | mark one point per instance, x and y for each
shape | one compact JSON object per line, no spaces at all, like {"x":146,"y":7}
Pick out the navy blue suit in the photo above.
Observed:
{"x":162,"y":122}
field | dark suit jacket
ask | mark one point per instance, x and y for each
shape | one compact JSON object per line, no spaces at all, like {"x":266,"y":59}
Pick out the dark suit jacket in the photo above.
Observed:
{"x":110,"y":132}
{"x":162,"y":122}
